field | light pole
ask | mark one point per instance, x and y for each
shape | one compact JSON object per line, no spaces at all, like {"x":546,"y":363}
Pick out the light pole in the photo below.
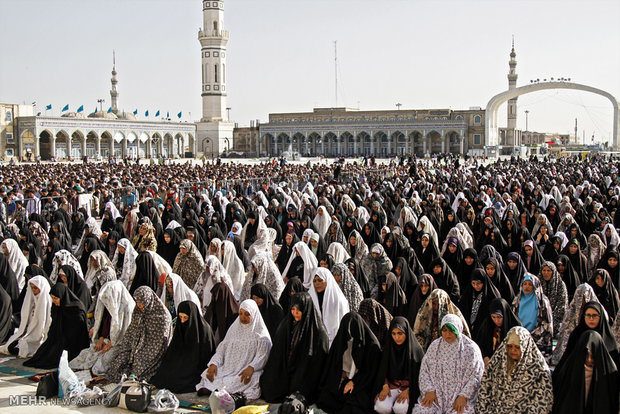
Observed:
{"x":100,"y":102}
{"x":228,"y":114}
{"x":398,"y":105}
{"x":526,"y":114}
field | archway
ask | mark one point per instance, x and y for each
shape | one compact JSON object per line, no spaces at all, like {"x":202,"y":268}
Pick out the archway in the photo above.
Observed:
{"x":155,"y":144}
{"x":105,"y":144}
{"x":142,"y":145}
{"x":491,"y":124}
{"x":45,"y":145}
{"x":77,"y":141}
{"x":349,"y":141}
{"x":453,"y":139}
{"x":178,"y":145}
{"x":62,"y":145}
{"x":28,"y":145}
{"x":417,"y":142}
{"x":192,"y":145}
{"x":435,"y":139}
{"x":91,"y":144}
{"x":313,"y":139}
{"x":167,"y":147}
{"x":400,"y":142}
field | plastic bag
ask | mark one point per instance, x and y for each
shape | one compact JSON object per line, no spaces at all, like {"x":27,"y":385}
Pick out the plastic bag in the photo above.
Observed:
{"x":114,"y":396}
{"x":221,"y":402}
{"x":164,"y":402}
{"x":68,"y":383}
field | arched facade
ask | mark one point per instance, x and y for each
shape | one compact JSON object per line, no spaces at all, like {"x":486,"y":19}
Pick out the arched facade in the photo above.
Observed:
{"x":64,"y":138}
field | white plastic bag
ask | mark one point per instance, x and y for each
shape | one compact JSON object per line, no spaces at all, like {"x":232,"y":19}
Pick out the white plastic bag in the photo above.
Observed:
{"x":69,"y":384}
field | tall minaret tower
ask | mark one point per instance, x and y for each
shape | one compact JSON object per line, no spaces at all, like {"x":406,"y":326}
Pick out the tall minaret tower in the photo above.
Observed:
{"x":512,"y":104}
{"x":113,"y":91}
{"x":215,"y":131}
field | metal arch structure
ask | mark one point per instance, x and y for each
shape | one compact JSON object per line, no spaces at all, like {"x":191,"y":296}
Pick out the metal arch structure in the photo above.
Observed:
{"x":491,"y":127}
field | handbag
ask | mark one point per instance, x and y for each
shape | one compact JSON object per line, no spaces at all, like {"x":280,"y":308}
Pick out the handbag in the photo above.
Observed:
{"x":135,"y":396}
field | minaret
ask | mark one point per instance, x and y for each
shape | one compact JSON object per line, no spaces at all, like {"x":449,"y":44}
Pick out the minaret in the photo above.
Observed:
{"x":213,"y":39}
{"x":114,"y":81}
{"x":511,"y":125}
{"x":215,"y":131}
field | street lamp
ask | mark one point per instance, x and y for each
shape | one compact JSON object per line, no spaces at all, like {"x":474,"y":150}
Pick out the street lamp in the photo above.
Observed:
{"x":100,"y":102}
{"x":398,"y":105}
{"x":228,"y":114}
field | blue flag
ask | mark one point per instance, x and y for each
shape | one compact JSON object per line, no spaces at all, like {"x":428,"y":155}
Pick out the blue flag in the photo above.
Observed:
{"x":146,"y":113}
{"x":95,"y":109}
{"x":48,"y":107}
{"x":66,"y":108}
{"x":167,"y":114}
{"x":135,"y":112}
{"x":180,"y":114}
{"x":109,"y":109}
{"x":157,"y":114}
{"x":81,"y":108}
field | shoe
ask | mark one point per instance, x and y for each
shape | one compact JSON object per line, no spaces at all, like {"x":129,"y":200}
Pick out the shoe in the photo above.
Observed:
{"x":203,"y":392}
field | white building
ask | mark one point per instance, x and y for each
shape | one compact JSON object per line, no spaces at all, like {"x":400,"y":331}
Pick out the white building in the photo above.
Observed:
{"x":215,"y":131}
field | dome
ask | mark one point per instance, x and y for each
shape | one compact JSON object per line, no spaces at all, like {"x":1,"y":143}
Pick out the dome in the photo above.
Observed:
{"x":127,"y":116}
{"x":103,"y":114}
{"x":73,"y":115}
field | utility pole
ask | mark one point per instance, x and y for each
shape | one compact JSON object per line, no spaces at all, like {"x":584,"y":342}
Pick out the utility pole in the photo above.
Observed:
{"x":398,"y":105}
{"x":575,"y":130}
{"x":526,"y":119}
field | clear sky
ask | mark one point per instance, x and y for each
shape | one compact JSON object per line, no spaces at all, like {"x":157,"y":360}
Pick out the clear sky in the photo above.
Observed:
{"x":423,"y":54}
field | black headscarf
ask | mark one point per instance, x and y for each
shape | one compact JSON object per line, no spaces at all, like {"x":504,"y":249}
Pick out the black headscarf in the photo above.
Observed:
{"x":222,"y":311}
{"x":427,"y":255}
{"x":464,"y":273}
{"x":499,"y":280}
{"x":445,"y":279}
{"x":294,"y":285}
{"x":569,"y":276}
{"x":417,"y":299}
{"x":607,"y":294}
{"x":146,"y":273}
{"x":188,"y":354}
{"x":401,"y":362}
{"x":373,"y":235}
{"x":603,"y":328}
{"x":169,"y":251}
{"x":52,"y":248}
{"x":407,"y":280}
{"x":393,"y":298}
{"x":471,"y":297}
{"x":298,"y":354}
{"x":6,"y":314}
{"x":68,"y":330}
{"x":366,"y":354}
{"x":484,"y":336}
{"x":8,"y":280}
{"x":569,"y":393}
{"x":270,"y":309}
{"x":77,"y":285}
{"x":377,"y":317}
{"x":360,"y":276}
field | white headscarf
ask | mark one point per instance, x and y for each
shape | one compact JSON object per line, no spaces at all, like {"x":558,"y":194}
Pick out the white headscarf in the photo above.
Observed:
{"x":161,"y":264}
{"x":216,"y":273}
{"x":129,"y":261}
{"x":102,"y":261}
{"x":36,"y":317}
{"x":266,"y":273}
{"x":180,"y":292}
{"x":17,"y":261}
{"x":109,"y":206}
{"x":66,"y":258}
{"x":115,"y":298}
{"x":264,"y":242}
{"x":425,"y":225}
{"x":233,"y":265}
{"x":310,"y":262}
{"x":322,"y":222}
{"x":335,"y":304}
{"x":93,"y":228}
{"x":338,"y":252}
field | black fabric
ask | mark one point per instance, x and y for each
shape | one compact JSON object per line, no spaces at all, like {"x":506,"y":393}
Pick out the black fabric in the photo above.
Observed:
{"x":464,"y":273}
{"x":146,"y":273}
{"x":499,"y":280}
{"x":6,"y":316}
{"x":488,"y":292}
{"x":360,"y":277}
{"x":484,"y":336}
{"x":8,"y":280}
{"x":170,"y":250}
{"x":427,"y":256}
{"x":52,"y":248}
{"x":366,"y":353}
{"x":417,"y":299}
{"x":401,"y":362}
{"x":569,"y":276}
{"x":270,"y":309}
{"x":603,"y":328}
{"x":188,"y":354}
{"x":445,"y":279}
{"x":606,"y":294}
{"x":77,"y":285}
{"x":393,"y":297}
{"x":294,"y":285}
{"x":68,"y":330}
{"x":407,"y":280}
{"x":569,"y":393}
{"x":222,"y":311}
{"x":515,"y":277}
{"x":296,"y":365}
{"x":91,"y":243}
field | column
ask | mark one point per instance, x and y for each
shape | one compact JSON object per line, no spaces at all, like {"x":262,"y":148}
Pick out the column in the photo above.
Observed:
{"x":36,"y":146}
{"x":389,"y":148}
{"x":111,"y":146}
{"x":149,"y":148}
{"x":354,"y":143}
{"x":338,"y":142}
{"x":424,"y":137}
{"x":124,"y":147}
{"x":322,"y":143}
{"x":372,"y":143}
{"x":98,"y":145}
{"x":83,"y":145}
{"x":69,"y":143}
{"x":462,"y":142}
{"x":407,"y":143}
{"x":443,"y":142}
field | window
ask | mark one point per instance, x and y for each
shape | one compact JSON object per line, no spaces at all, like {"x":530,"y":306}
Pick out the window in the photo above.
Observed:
{"x":477,"y":139}
{"x":477,"y":119}
{"x":215,"y":72}
{"x":215,"y":25}
{"x":459,"y":118}
{"x":426,"y":118}
{"x":9,"y":138}
{"x":9,"y":116}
